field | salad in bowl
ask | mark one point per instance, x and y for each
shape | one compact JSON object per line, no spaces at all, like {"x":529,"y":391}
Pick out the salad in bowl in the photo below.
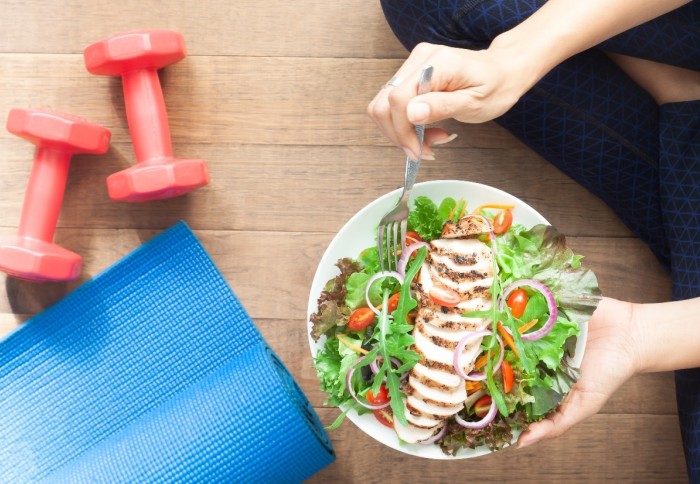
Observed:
{"x":475,"y":333}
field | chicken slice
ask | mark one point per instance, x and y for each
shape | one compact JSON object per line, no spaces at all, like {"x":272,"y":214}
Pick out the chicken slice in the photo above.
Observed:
{"x":421,"y":421}
{"x":438,"y":397}
{"x":412,"y":434}
{"x":451,"y":321}
{"x":465,"y":226}
{"x":418,"y":406}
{"x":437,"y":354}
{"x":441,"y":379}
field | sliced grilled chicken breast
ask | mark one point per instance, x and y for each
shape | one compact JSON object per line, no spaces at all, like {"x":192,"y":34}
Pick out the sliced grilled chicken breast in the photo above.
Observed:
{"x":465,"y":227}
{"x":439,"y":397}
{"x":444,"y":380}
{"x":434,"y":390}
{"x":417,"y":405}
{"x":413,"y":433}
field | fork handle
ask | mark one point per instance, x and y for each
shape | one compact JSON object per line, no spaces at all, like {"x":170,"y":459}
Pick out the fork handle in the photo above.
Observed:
{"x":409,"y":177}
{"x":412,"y":165}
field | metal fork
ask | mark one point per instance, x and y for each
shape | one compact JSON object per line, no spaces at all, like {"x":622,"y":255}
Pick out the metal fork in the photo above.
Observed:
{"x":397,"y":218}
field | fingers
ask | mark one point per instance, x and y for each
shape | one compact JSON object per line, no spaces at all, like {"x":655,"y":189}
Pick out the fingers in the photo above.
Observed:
{"x":388,"y":108}
{"x":575,"y":408}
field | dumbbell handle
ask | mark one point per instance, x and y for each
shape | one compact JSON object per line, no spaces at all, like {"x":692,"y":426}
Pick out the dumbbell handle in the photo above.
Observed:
{"x":146,"y":114}
{"x":44,"y":195}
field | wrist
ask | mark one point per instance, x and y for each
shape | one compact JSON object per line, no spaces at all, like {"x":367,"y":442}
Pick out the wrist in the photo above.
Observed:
{"x":527,"y":62}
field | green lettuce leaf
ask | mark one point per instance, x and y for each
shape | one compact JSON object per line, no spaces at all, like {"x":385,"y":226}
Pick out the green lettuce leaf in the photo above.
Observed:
{"x":541,"y":253}
{"x":427,"y":219}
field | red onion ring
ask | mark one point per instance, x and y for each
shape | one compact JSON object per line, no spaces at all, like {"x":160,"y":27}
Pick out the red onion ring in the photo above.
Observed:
{"x":435,"y":437}
{"x":479,"y":424}
{"x":375,"y":369}
{"x":475,"y":375}
{"x":348,"y":385}
{"x":406,"y":255}
{"x":551,"y":305}
{"x":380,"y":275}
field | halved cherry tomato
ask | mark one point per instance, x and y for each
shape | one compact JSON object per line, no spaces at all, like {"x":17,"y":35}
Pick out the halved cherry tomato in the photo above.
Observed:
{"x":502,"y":221}
{"x":508,"y":376}
{"x":381,"y":397}
{"x":517,"y":302}
{"x":444,"y":296}
{"x":482,"y":406}
{"x":360,"y":319}
{"x":393,"y":302}
{"x":384,"y":417}
{"x":412,"y":238}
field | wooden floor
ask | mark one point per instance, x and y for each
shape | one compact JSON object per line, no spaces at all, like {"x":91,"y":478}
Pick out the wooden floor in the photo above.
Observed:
{"x":273,"y":95}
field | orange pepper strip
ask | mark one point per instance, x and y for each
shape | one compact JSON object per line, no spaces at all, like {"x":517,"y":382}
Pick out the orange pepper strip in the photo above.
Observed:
{"x":473,"y":386}
{"x":481,"y":361}
{"x":527,"y":326}
{"x":507,"y":338}
{"x":493,"y":205}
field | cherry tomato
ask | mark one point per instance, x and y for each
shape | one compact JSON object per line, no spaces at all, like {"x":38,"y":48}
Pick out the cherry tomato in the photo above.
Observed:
{"x":393,"y":302}
{"x":384,"y":417}
{"x":444,"y":296}
{"x":381,"y":397}
{"x":517,"y":302}
{"x":508,"y":376}
{"x":502,"y":221}
{"x":412,"y":238}
{"x":482,"y":406}
{"x":360,"y":319}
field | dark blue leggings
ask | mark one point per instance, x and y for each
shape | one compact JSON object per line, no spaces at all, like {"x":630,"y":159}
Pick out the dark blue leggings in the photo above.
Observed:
{"x":589,"y":119}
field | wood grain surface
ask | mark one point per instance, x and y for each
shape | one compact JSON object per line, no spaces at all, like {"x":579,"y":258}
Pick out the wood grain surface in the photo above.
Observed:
{"x":273,"y":96}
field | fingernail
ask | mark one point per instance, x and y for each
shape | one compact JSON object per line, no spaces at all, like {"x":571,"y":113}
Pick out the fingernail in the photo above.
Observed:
{"x":417,"y":112}
{"x":428,"y":157}
{"x":446,"y":140}
{"x":409,"y":153}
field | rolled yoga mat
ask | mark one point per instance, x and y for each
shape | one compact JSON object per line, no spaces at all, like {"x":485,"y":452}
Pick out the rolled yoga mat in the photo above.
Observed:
{"x":152,"y":372}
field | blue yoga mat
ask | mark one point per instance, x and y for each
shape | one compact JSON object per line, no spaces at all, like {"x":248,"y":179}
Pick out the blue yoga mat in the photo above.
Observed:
{"x":152,"y":372}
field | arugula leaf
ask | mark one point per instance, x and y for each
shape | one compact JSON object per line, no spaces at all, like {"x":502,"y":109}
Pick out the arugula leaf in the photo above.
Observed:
{"x":392,"y":339}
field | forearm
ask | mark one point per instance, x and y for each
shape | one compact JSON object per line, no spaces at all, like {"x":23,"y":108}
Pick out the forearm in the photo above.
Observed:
{"x":668,"y":335}
{"x":563,"y":28}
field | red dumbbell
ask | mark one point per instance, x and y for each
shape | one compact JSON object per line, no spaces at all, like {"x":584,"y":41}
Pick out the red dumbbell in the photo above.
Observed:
{"x":136,"y":57}
{"x":31,"y":254}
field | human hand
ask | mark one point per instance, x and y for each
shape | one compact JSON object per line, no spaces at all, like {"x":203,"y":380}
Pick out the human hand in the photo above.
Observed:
{"x":469,"y":86}
{"x":612,"y":356}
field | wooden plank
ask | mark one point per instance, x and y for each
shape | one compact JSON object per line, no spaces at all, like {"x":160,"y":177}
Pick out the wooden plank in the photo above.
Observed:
{"x":271,"y":272}
{"x":308,"y":28}
{"x":300,"y":188}
{"x":605,"y":448}
{"x":253,"y":100}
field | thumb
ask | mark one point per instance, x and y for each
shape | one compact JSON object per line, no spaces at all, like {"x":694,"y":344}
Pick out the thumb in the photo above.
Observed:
{"x":437,"y":106}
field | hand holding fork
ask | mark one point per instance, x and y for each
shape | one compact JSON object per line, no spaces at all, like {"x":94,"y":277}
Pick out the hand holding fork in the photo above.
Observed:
{"x":397,"y":218}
